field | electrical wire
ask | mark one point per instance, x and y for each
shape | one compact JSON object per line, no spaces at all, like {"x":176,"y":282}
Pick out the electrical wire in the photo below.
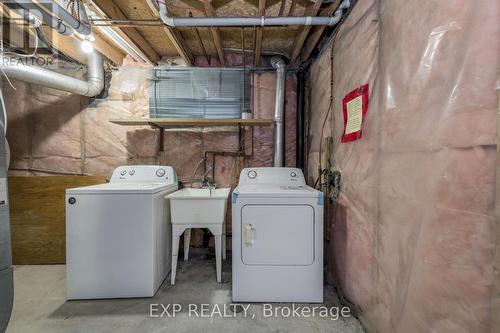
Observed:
{"x":36,"y":24}
{"x":4,"y":111}
{"x":330,"y":107}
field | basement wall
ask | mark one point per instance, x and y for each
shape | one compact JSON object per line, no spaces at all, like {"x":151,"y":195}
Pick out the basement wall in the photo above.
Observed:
{"x":52,"y":132}
{"x":412,"y":237}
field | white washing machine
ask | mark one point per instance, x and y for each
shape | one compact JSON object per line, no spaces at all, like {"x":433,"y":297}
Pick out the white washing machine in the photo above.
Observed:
{"x":118,"y":234}
{"x":277,"y":237}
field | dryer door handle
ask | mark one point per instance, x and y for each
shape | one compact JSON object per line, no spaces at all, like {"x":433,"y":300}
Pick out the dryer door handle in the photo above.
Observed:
{"x":248,"y":234}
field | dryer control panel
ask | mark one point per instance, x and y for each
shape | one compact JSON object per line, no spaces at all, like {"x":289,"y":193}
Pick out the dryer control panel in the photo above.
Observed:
{"x":272,"y":175}
{"x":144,"y":173}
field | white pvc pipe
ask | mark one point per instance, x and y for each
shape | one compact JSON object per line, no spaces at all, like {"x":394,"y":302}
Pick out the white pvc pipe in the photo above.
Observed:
{"x":250,"y":21}
{"x":94,"y":84}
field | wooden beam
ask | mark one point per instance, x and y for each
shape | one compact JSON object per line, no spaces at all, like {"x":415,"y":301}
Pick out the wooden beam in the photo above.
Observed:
{"x":220,"y":3}
{"x":258,"y":34}
{"x":282,"y":8}
{"x":196,"y":122}
{"x":109,"y":8}
{"x":254,"y":3}
{"x":292,"y":7}
{"x":303,"y":32}
{"x":210,"y":12}
{"x":317,"y":31}
{"x":104,"y":46}
{"x":176,"y":39}
{"x":196,"y":4}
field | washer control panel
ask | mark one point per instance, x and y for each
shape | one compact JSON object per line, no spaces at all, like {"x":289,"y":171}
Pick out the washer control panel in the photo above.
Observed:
{"x":272,"y":175}
{"x":252,"y":174}
{"x":160,"y":172}
{"x":144,"y":173}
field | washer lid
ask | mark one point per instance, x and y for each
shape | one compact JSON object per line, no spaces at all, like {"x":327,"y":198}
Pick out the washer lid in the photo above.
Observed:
{"x":123,"y":188}
{"x":276,"y":190}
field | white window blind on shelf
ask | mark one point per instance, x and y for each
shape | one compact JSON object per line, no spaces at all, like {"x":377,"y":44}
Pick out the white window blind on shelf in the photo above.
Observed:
{"x":192,"y":92}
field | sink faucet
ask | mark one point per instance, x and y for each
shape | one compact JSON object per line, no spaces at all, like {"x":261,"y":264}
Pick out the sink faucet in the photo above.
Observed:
{"x":205,"y":183}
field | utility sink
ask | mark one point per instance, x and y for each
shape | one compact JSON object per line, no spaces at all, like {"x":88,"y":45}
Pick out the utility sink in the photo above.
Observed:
{"x":199,"y":205}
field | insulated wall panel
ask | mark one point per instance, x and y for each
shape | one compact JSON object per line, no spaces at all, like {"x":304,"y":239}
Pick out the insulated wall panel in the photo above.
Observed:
{"x":413,"y":235}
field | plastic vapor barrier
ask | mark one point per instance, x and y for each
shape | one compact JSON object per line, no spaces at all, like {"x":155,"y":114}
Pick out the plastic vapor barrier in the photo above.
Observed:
{"x":413,"y":232}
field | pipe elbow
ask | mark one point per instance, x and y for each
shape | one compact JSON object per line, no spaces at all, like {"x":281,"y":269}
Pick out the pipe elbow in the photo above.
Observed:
{"x":169,"y":21}
{"x":345,"y":4}
{"x":278,"y":63}
{"x":338,"y":13}
{"x":95,"y":86}
{"x":95,"y":74}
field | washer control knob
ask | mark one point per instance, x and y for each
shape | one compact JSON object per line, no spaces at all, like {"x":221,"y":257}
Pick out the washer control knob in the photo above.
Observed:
{"x":132,"y":172}
{"x":293,"y":174}
{"x":160,"y":172}
{"x":123,"y":173}
{"x":252,"y":174}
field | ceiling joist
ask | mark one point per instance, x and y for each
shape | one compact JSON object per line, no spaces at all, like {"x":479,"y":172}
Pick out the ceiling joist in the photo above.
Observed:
{"x":258,"y":34}
{"x":303,"y":32}
{"x":292,"y":7}
{"x":109,"y":8}
{"x":317,"y":31}
{"x":210,"y":12}
{"x":175,"y":37}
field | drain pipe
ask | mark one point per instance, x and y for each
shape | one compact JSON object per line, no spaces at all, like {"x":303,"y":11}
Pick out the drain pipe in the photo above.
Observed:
{"x":250,"y":21}
{"x":15,"y":69}
{"x":279,"y":112}
{"x":81,"y":25}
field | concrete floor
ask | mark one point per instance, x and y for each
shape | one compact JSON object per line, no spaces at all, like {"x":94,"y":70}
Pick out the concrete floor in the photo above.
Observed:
{"x":40,"y":306}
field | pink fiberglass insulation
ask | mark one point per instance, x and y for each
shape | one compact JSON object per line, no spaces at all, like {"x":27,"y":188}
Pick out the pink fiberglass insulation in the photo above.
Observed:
{"x":413,"y":232}
{"x":53,"y":132}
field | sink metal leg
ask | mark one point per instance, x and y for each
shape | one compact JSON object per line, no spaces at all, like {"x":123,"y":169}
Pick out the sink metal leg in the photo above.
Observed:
{"x":218,"y":263}
{"x":176,"y":235}
{"x":224,"y":241}
{"x":187,"y":238}
{"x":175,"y":252}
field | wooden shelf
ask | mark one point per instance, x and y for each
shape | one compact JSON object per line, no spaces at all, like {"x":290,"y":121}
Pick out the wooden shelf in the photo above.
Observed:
{"x":191,"y":122}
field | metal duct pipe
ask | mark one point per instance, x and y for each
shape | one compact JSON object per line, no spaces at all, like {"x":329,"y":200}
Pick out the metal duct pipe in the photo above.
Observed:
{"x":82,"y":26}
{"x":44,"y":77}
{"x":279,"y":112}
{"x":299,"y":148}
{"x":250,"y":21}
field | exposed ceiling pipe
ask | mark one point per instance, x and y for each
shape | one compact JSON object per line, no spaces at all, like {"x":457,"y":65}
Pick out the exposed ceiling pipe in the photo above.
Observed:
{"x":279,"y":112}
{"x":94,"y":84}
{"x":250,"y":21}
{"x":81,"y":24}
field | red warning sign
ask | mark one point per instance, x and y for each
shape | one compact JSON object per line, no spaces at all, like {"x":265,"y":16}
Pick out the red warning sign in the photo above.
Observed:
{"x":354,"y":106}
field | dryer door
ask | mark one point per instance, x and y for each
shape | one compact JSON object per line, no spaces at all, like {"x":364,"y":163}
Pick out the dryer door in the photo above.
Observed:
{"x":277,"y":235}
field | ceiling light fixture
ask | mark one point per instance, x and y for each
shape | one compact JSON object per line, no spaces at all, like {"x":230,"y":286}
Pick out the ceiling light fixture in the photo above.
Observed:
{"x":87,"y":44}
